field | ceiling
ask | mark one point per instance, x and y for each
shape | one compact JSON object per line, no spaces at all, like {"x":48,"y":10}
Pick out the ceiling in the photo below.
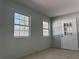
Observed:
{"x":52,"y":7}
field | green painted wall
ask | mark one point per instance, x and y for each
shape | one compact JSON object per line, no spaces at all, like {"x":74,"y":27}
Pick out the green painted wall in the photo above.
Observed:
{"x":56,"y":41}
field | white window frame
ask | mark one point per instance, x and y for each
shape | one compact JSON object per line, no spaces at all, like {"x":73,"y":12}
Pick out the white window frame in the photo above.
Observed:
{"x":29,"y":26}
{"x":47,"y":29}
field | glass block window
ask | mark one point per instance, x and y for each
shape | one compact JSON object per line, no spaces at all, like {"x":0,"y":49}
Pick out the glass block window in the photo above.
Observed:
{"x":45,"y":28}
{"x":21,"y":25}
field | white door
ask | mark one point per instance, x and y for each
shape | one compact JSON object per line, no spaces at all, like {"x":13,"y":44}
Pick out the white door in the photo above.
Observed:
{"x":69,"y":36}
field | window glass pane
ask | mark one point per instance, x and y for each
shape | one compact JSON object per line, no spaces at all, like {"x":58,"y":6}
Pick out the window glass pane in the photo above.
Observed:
{"x":16,"y":27}
{"x":45,"y":32}
{"x":22,"y":28}
{"x":21,"y":17}
{"x":26,"y":18}
{"x":26,"y":33}
{"x":26,"y":28}
{"x":16,"y":33}
{"x":45,"y":24}
{"x":17,"y":15}
{"x":17,"y":21}
{"x":22,"y":22}
{"x":27,"y":23}
{"x":21,"y":33}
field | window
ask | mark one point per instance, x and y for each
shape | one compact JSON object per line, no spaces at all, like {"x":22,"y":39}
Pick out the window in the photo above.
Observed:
{"x":45,"y":28}
{"x":67,"y":28}
{"x":21,"y":25}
